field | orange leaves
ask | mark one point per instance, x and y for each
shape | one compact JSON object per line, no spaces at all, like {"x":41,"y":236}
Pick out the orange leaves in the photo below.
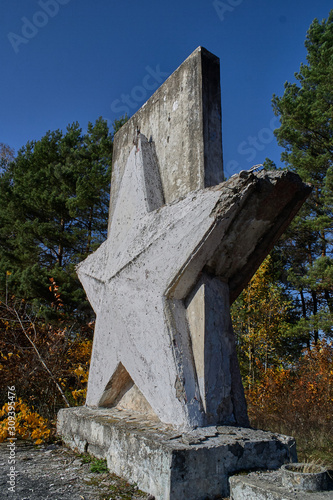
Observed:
{"x":79,"y":358}
{"x":54,"y":288}
{"x":301,"y":397}
{"x":260,"y":318}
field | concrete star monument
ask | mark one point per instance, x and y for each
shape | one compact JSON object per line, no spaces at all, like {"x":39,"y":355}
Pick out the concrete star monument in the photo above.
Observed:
{"x":139,"y":282}
{"x":182,"y":244}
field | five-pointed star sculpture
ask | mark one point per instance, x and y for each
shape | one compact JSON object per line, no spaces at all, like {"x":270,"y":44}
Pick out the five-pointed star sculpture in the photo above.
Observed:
{"x":138,"y":281}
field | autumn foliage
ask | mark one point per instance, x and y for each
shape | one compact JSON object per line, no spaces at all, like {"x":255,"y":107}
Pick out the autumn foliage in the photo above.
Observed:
{"x":260,"y":319}
{"x":28,"y":423}
{"x":48,"y":366}
{"x":299,"y":397}
{"x":288,"y":390}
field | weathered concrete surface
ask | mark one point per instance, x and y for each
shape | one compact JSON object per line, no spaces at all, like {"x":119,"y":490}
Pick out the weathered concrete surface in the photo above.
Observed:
{"x":140,"y":279}
{"x":268,"y":486}
{"x":183,"y":120}
{"x":169,"y":465}
{"x":176,"y":247}
{"x":298,"y":476}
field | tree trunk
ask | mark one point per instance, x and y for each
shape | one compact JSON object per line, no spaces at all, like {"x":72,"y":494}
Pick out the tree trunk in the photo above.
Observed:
{"x":315,"y":310}
{"x":89,"y":229}
{"x":61,"y":246}
{"x":329,"y":300}
{"x":304,"y":316}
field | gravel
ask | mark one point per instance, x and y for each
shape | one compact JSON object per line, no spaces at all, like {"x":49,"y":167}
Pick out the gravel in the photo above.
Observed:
{"x":54,"y":472}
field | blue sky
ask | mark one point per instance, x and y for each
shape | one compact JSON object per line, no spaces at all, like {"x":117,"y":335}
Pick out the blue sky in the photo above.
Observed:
{"x":74,"y":60}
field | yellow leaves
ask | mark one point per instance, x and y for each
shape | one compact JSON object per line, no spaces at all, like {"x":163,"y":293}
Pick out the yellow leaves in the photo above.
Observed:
{"x":259,"y":318}
{"x":79,"y":371}
{"x":79,"y":394}
{"x":28,"y":424}
{"x":82,"y":374}
{"x":65,"y":354}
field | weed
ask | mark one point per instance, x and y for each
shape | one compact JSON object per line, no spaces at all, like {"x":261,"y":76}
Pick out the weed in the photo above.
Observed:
{"x":112,"y":487}
{"x":99,"y":466}
{"x":85,"y":458}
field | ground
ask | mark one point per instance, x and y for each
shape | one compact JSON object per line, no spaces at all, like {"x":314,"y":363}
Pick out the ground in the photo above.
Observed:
{"x":54,"y":472}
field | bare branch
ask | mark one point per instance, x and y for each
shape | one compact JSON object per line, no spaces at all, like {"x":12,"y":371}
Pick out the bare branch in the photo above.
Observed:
{"x":38,"y":354}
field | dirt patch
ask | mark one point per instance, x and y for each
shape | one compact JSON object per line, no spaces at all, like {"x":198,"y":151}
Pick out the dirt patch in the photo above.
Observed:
{"x":54,"y":472}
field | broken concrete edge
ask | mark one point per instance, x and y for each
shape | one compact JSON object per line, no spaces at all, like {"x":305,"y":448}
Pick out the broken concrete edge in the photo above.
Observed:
{"x":165,"y":463}
{"x":290,"y":193}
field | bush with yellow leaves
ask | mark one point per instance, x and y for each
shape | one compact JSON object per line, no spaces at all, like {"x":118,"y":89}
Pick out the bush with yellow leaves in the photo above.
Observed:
{"x":28,"y":423}
{"x":48,"y":364}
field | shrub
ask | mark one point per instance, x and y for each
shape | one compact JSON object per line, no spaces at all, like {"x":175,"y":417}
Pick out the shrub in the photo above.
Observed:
{"x":297,"y":400}
{"x":28,"y":423}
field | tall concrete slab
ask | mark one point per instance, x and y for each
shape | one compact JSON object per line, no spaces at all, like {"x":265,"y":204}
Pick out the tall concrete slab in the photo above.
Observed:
{"x":183,"y":120}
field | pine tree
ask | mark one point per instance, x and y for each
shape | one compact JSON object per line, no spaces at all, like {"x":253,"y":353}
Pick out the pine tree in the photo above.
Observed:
{"x":306,"y":134}
{"x":54,"y":200}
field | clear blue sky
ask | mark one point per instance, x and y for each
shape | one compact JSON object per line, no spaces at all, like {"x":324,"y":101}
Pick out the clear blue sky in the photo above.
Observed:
{"x":75,"y":60}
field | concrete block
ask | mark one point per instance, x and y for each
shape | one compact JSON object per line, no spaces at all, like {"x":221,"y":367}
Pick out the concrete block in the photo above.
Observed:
{"x":171,"y":466}
{"x":269,"y":486}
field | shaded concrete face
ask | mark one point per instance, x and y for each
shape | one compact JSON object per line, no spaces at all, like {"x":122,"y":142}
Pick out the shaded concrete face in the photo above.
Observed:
{"x":213,"y":348}
{"x":177,"y":245}
{"x":183,"y":119}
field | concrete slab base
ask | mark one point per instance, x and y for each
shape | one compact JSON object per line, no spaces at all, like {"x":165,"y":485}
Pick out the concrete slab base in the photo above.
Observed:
{"x":168,"y":464}
{"x":268,"y":486}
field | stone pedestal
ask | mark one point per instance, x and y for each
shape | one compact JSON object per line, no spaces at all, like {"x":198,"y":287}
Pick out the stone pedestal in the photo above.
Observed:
{"x":167,"y":464}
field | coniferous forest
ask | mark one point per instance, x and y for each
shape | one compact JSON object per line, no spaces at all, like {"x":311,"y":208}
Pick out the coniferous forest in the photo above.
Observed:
{"x":54,"y":199}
